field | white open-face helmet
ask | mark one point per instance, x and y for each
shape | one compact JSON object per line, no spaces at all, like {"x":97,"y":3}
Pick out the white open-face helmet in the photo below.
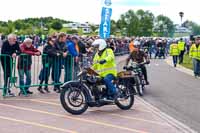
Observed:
{"x":136,"y":43}
{"x":101,"y":43}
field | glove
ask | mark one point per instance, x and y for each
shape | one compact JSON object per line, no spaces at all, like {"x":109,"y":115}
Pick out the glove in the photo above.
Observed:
{"x":102,"y":62}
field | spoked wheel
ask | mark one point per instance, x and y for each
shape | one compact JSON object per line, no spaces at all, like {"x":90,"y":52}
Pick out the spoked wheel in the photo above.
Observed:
{"x":126,"y":100}
{"x":73,"y":99}
{"x":139,"y":86}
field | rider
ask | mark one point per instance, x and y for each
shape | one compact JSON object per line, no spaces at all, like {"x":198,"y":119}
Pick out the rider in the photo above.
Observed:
{"x":104,"y":64}
{"x":138,"y":56}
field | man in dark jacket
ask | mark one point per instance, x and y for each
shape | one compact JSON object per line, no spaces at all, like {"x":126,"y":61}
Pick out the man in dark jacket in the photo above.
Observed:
{"x":24,"y":64}
{"x":139,"y":56}
{"x":49,"y":53}
{"x":60,"y":46}
{"x":10,"y":49}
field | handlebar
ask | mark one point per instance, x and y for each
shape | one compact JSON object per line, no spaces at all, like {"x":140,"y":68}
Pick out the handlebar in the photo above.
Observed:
{"x":143,"y":63}
{"x":130,"y":68}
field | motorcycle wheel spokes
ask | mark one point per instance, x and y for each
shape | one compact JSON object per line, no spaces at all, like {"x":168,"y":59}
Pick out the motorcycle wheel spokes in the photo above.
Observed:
{"x":75,"y":98}
{"x":125,"y":95}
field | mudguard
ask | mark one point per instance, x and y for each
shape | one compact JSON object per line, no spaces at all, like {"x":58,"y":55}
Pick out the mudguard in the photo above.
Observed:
{"x":84,"y":88}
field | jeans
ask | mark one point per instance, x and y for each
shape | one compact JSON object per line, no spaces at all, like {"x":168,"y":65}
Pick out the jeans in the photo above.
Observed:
{"x":7,"y":70}
{"x":196,"y":67}
{"x":44,"y":74}
{"x":22,"y":82}
{"x":68,"y":68}
{"x":56,"y":71}
{"x":108,"y":82}
{"x":181,"y":57}
{"x":175,"y":59}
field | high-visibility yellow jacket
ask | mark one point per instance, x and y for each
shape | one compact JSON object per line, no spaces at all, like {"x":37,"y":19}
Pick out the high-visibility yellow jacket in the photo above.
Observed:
{"x":195,"y":52}
{"x":181,"y":45}
{"x":174,"y":50}
{"x":109,"y":67}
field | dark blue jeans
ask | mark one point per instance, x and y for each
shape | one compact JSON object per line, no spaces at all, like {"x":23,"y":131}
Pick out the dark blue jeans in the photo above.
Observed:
{"x":68,"y":64}
{"x":175,"y":59}
{"x":22,"y":82}
{"x":196,"y":67}
{"x":56,"y":71}
{"x":108,"y":82}
{"x":181,"y":56}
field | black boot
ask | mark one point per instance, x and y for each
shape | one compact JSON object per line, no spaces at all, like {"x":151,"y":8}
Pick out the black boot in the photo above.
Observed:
{"x":46,"y":89}
{"x":29,"y":92}
{"x":40,"y":90}
{"x":55,"y":89}
{"x":22,"y":93}
{"x":58,"y":90}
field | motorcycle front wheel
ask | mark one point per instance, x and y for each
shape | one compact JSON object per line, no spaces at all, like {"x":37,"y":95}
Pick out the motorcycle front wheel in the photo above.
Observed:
{"x":73,"y":99}
{"x":139,"y":86}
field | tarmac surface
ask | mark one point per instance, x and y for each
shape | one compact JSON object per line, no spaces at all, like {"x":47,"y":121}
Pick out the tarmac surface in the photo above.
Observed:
{"x":42,"y":113}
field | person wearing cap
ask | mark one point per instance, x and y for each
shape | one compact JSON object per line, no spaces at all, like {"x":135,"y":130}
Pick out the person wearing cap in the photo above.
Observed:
{"x":139,"y":56}
{"x":104,"y":64}
{"x":174,"y":52}
{"x":195,"y":55}
{"x":10,"y":48}
{"x":181,"y":47}
{"x":24,"y":65}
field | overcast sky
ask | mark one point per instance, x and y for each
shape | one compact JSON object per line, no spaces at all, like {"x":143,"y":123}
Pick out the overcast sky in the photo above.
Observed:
{"x":90,"y":10}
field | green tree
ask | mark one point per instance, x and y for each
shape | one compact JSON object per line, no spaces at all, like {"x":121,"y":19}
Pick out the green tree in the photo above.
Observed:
{"x":194,"y":27}
{"x":129,"y":23}
{"x":139,"y":23}
{"x":10,"y":27}
{"x":56,"y":25}
{"x":113,"y":27}
{"x":146,"y":22}
{"x":164,"y":26}
{"x":18,"y":25}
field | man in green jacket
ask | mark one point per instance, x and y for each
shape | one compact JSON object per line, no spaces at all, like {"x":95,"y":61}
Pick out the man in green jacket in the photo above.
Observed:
{"x":181,"y":47}
{"x":104,"y":64}
{"x":195,"y":55}
{"x":174,"y":52}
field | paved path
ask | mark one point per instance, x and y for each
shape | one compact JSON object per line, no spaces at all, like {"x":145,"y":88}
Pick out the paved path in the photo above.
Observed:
{"x":42,"y":113}
{"x":175,"y":92}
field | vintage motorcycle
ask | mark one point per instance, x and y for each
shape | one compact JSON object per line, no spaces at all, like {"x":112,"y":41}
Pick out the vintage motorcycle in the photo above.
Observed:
{"x":90,"y":91}
{"x":138,"y":80}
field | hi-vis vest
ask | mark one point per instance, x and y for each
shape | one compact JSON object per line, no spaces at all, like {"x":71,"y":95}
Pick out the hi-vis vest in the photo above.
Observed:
{"x":195,"y":52}
{"x":181,"y":45}
{"x":174,"y":50}
{"x":109,"y":67}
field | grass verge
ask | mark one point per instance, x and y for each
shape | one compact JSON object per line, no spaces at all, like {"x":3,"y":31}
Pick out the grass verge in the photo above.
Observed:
{"x":187,"y":62}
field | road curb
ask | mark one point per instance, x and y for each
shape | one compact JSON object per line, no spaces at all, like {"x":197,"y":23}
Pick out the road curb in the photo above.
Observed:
{"x":179,"y":67}
{"x":170,"y":120}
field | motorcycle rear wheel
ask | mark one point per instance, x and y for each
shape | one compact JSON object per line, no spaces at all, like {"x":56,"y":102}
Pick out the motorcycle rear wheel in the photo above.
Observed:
{"x":129,"y":95}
